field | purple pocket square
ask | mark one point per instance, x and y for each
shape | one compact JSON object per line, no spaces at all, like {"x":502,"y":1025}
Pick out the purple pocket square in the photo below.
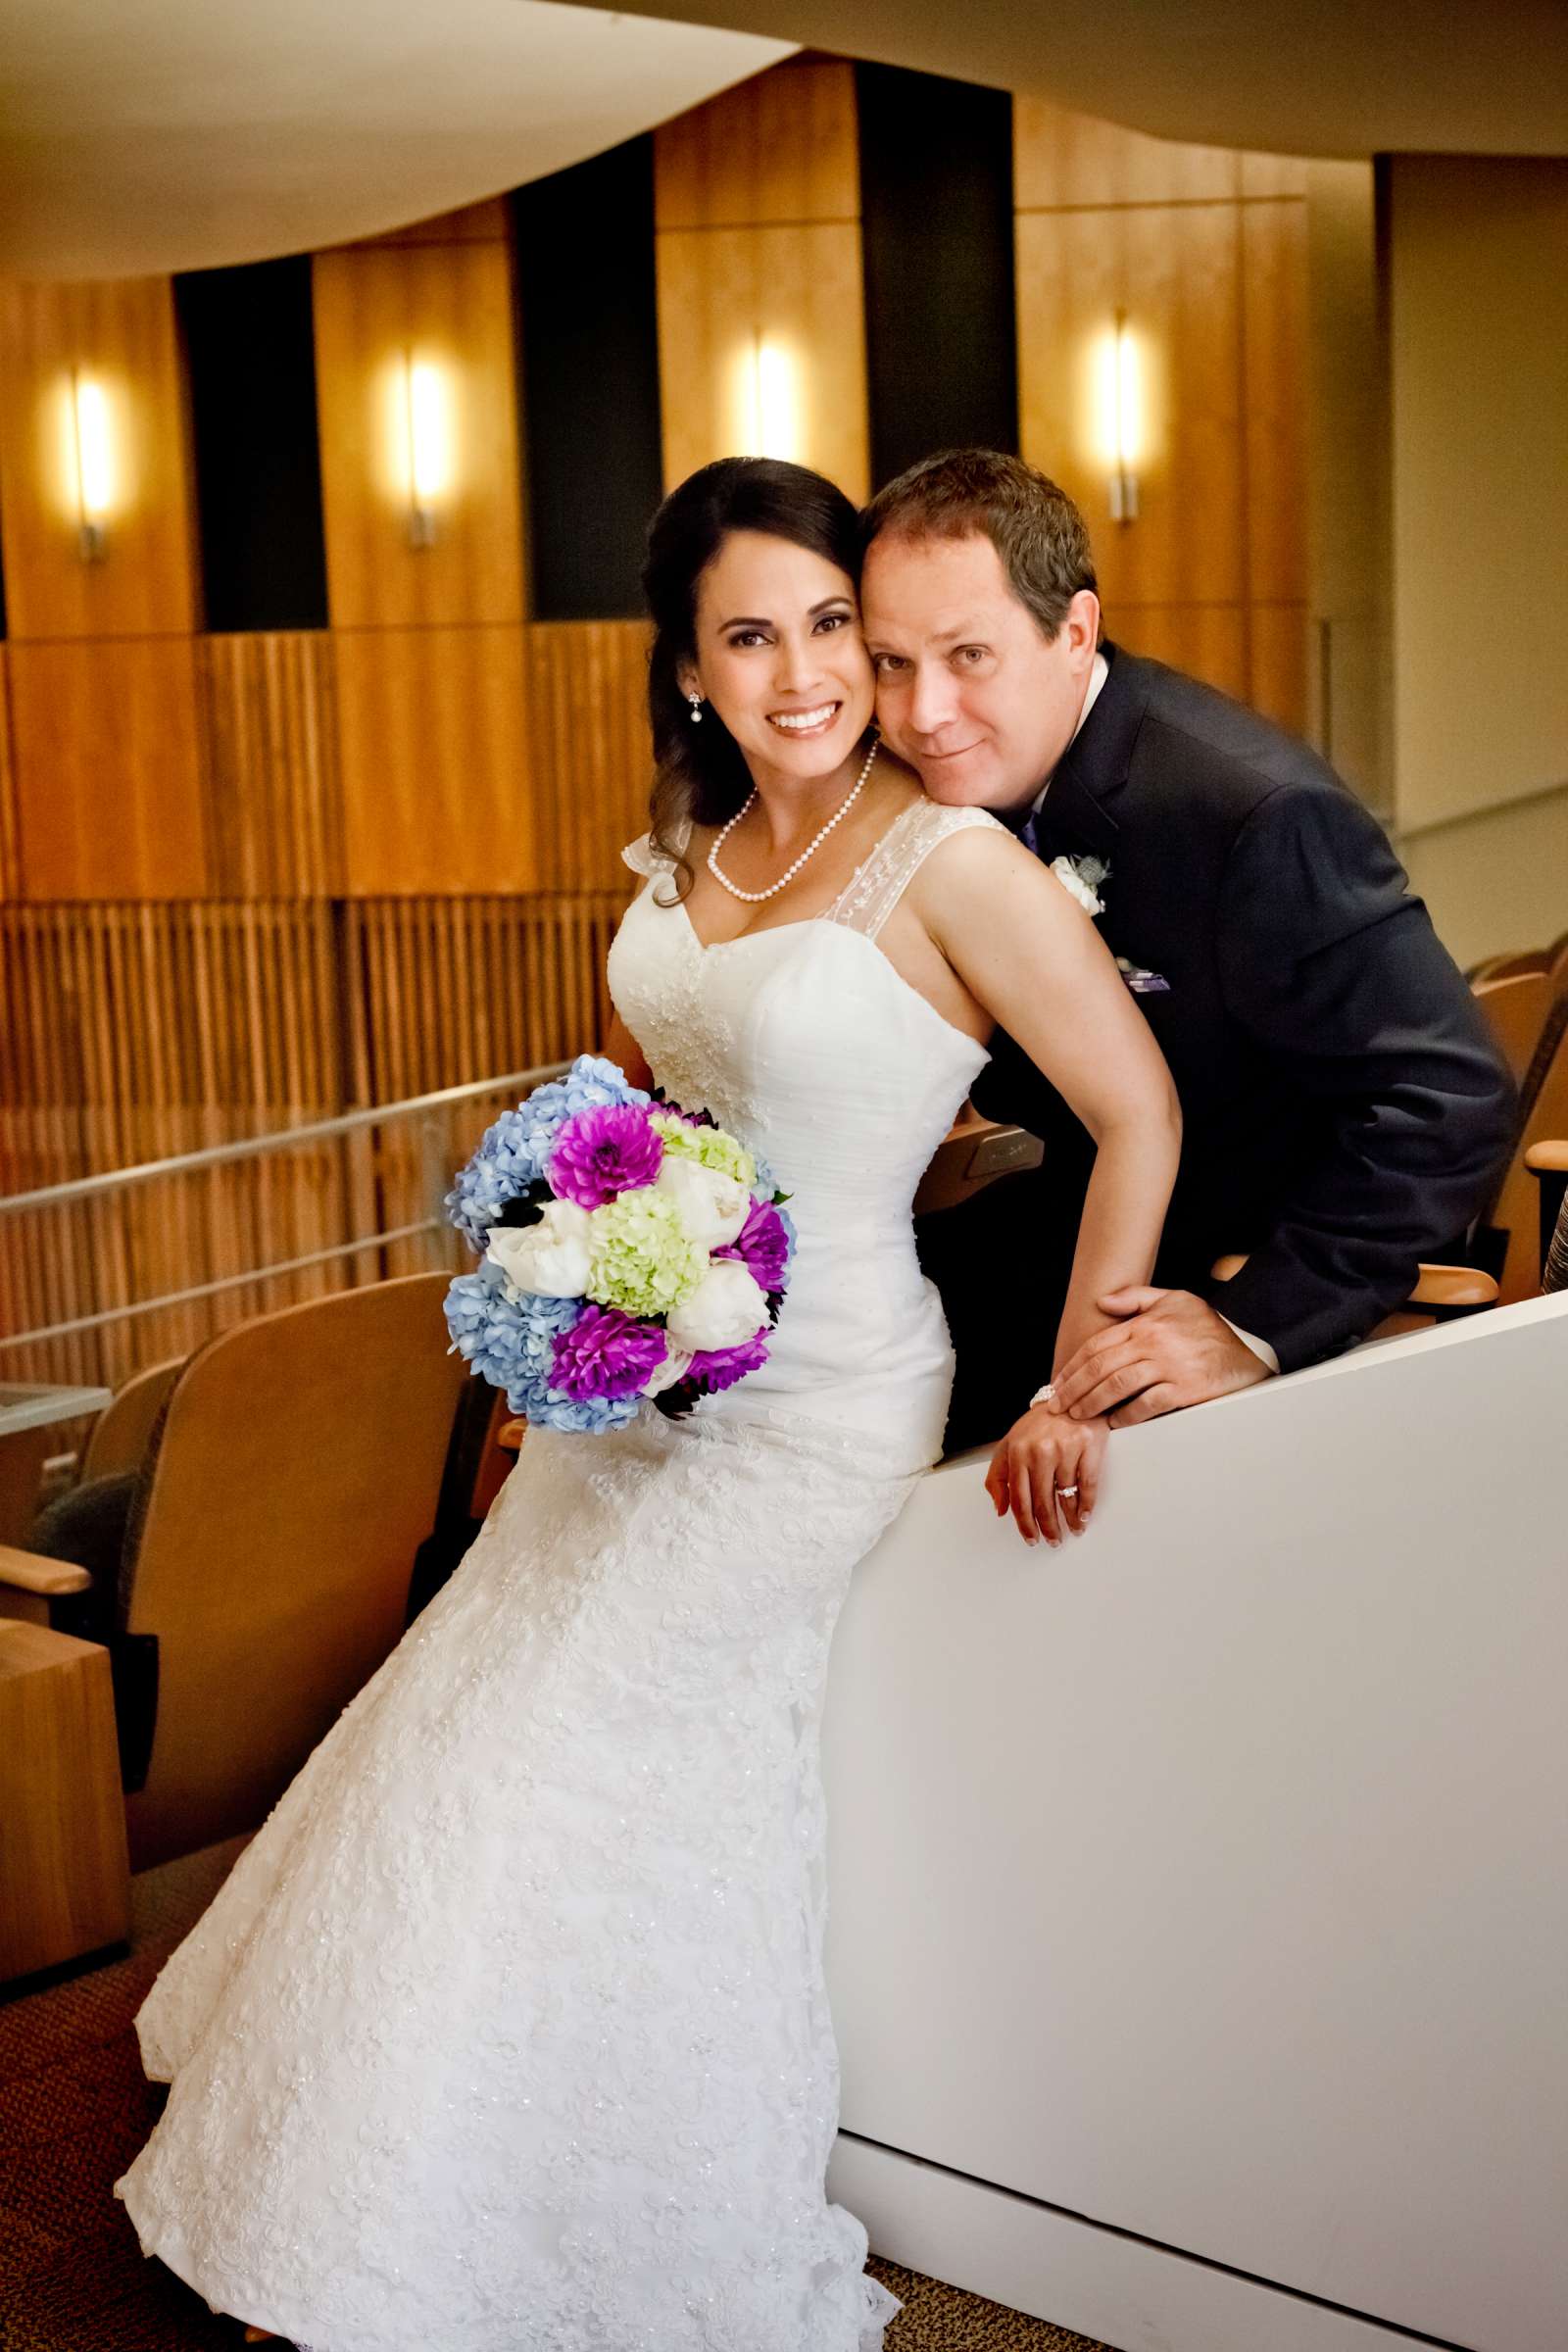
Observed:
{"x":1141,"y":983}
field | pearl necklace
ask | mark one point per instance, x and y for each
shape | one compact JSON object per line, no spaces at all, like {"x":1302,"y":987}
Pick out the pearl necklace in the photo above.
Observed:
{"x":755,"y":897}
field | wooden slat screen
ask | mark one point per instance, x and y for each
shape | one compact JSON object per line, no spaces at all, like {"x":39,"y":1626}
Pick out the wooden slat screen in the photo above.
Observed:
{"x":137,"y":1031}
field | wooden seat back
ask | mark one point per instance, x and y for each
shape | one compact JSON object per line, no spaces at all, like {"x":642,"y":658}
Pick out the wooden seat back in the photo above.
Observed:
{"x":295,"y":1476}
{"x":1543,"y":1116}
{"x":1510,"y":966}
{"x":1516,"y":1006}
{"x":973,"y":1154}
{"x":123,"y":1431}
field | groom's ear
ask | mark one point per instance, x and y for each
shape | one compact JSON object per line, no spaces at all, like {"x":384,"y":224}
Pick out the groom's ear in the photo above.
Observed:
{"x":1080,"y":627}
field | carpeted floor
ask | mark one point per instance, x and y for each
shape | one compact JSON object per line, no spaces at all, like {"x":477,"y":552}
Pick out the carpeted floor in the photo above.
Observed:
{"x":75,"y":2108}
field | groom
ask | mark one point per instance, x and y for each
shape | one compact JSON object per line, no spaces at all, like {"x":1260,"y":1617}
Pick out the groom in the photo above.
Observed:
{"x":1345,"y":1110}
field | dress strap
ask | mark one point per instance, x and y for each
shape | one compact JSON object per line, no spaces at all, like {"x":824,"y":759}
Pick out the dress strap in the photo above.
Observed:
{"x":881,"y":879}
{"x":642,"y":859}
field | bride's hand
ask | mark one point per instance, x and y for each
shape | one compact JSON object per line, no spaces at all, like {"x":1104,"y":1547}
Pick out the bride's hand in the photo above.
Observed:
{"x":1047,"y":1472}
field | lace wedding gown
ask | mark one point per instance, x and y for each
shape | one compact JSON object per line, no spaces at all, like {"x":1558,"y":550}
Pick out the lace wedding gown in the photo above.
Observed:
{"x":507,"y":2031}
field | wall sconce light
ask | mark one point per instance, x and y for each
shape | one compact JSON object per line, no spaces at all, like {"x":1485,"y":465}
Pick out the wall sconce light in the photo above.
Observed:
{"x":766,"y":412}
{"x":427,"y":421}
{"x":1121,"y":405}
{"x":93,"y":451}
{"x":777,"y":424}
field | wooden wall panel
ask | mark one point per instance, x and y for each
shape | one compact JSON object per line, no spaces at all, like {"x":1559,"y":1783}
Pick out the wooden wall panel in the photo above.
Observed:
{"x":435,"y":760}
{"x":9,"y":842}
{"x":1279,"y":656}
{"x":107,"y":770}
{"x":482,"y":224}
{"x":722,"y":293}
{"x":1274,"y":174}
{"x":1274,"y":368}
{"x":1206,"y":253}
{"x":453,"y":989}
{"x":457,"y":987}
{"x":123,"y":335}
{"x":757,"y":207}
{"x":1065,"y":159}
{"x":450,"y":305}
{"x":1175,"y":270}
{"x":139,"y":1032}
{"x":779,"y":148}
{"x":270,"y":719}
{"x":1209,"y":641}
{"x":590,"y":752}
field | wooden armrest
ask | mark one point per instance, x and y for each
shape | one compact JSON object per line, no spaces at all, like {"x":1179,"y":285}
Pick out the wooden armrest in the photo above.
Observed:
{"x":510,"y":1435}
{"x":1547,"y":1159}
{"x":32,"y":1572}
{"x":1454,"y":1286}
{"x":1436,"y":1285}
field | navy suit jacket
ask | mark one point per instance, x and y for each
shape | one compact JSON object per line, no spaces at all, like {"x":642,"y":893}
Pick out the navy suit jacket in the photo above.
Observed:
{"x":1345,"y":1110}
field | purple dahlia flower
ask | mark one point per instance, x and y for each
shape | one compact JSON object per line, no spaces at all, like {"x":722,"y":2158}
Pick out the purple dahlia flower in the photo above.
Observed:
{"x":604,"y":1152}
{"x":606,"y":1353}
{"x":762,"y":1247}
{"x":719,"y":1368}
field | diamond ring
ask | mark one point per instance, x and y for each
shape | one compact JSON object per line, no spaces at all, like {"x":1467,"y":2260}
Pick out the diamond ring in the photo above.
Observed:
{"x":1066,"y":1493}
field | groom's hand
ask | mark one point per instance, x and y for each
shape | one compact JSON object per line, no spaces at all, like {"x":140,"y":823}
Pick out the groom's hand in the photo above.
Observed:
{"x":1166,"y":1350}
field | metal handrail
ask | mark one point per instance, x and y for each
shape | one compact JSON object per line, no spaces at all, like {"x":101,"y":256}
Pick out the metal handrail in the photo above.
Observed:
{"x":281,"y":1138}
{"x":252,"y":1147}
{"x":210,"y":1289}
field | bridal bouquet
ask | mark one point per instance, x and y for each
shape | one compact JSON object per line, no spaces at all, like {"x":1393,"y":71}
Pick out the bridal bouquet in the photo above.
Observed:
{"x":627,"y":1249}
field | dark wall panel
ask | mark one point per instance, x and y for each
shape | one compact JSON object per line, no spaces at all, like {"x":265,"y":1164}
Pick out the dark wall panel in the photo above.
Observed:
{"x":936,"y":216}
{"x":251,"y":356}
{"x":587,"y":299}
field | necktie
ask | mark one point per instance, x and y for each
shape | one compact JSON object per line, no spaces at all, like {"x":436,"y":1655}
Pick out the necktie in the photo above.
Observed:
{"x":1023,"y":824}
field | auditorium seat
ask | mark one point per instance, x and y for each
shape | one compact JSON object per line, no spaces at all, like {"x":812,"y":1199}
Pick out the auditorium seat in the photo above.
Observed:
{"x":973,"y":1154}
{"x":1439,"y":1294}
{"x":1543,"y":1119}
{"x":483,"y":1447}
{"x":1508,"y":967}
{"x":1516,"y":1006}
{"x":121,"y":1435}
{"x":1548,"y":1163}
{"x":266,"y":1573}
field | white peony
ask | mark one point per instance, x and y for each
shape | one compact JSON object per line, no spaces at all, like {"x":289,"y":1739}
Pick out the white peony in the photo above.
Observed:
{"x":726,"y":1308}
{"x":712,"y":1206}
{"x":675,"y":1366}
{"x":549,"y":1258}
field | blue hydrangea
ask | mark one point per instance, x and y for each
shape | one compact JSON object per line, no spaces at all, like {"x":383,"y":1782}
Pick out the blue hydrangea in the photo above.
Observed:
{"x":512,"y":1154}
{"x":787,"y":1223}
{"x":510,"y":1341}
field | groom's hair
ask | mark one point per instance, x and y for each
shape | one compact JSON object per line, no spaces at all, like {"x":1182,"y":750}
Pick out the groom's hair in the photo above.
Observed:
{"x":1033,"y":524}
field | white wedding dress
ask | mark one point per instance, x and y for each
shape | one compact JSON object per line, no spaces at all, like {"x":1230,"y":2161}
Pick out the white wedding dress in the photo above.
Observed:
{"x":507,"y":2031}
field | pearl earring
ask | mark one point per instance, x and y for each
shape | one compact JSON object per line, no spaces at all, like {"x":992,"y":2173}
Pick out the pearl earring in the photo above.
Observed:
{"x":696,"y":701}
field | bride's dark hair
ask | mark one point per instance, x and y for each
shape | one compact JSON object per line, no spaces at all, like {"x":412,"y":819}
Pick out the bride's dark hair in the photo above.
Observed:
{"x":699,"y":771}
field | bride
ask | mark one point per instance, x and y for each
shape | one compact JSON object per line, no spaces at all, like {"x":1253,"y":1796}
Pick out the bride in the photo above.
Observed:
{"x":507,"y":2031}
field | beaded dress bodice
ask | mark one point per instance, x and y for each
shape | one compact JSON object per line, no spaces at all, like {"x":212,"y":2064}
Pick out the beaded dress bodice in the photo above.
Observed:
{"x":803,"y":1040}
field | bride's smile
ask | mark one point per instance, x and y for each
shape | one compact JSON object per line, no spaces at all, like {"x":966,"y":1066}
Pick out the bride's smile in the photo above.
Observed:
{"x":779,"y":660}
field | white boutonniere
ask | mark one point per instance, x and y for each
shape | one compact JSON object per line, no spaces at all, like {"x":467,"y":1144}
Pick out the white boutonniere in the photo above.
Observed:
{"x":1082,"y":878}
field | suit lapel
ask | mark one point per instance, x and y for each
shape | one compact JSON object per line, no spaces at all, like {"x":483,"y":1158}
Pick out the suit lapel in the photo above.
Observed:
{"x":1075,"y":819}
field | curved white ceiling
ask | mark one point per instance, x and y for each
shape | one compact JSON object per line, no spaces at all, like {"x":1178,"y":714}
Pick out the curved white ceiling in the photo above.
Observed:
{"x":171,"y":134}
{"x":1328,"y":78}
{"x":142,"y":135}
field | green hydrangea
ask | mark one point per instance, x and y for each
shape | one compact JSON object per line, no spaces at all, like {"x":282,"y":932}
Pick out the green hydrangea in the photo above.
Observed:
{"x":641,"y":1257}
{"x":710,"y":1146}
